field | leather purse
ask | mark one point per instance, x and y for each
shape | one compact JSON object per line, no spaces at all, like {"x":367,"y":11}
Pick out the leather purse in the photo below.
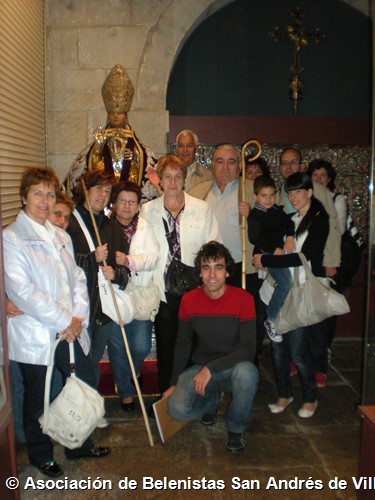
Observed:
{"x":310,"y":302}
{"x":180,"y":277}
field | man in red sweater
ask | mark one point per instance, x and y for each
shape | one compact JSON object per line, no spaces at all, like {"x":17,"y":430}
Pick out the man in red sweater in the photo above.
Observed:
{"x":219,"y":321}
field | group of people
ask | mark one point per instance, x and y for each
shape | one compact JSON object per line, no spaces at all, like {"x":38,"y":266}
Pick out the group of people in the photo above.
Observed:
{"x":131,"y":222}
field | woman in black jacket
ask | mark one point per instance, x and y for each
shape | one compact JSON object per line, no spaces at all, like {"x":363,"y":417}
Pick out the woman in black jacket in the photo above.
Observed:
{"x":312,"y":227}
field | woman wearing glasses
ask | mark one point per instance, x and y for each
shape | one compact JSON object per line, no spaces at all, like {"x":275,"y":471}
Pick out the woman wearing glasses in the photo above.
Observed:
{"x":131,"y":245}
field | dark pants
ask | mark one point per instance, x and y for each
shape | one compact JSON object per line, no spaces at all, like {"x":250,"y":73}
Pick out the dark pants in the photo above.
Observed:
{"x":166,"y":326}
{"x":253,"y":284}
{"x":318,"y":345}
{"x":294,"y":347}
{"x":39,"y":445}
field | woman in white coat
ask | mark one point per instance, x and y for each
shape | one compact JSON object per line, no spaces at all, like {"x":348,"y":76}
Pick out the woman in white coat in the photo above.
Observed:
{"x":132,"y":247}
{"x":43,"y":280}
{"x":190,"y":223}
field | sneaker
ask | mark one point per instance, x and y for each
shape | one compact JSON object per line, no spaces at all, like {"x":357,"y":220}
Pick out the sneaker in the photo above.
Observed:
{"x":209,"y":419}
{"x":236,"y":442}
{"x":321,"y":380}
{"x":102,"y":424}
{"x":270,"y":328}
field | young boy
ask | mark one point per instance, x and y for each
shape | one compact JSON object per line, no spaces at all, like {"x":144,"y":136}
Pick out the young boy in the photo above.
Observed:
{"x":268,"y":226}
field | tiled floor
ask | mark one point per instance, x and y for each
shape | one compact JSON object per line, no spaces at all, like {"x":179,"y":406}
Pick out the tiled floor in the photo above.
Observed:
{"x":280,"y":448}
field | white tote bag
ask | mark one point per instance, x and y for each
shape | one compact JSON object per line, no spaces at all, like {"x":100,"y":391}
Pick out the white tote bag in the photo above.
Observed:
{"x":124,"y":301}
{"x":75,"y":412}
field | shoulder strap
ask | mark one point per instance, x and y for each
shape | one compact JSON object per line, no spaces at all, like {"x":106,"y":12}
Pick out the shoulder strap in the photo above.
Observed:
{"x":168,"y":235}
{"x":83,"y":226}
{"x":47,"y":386}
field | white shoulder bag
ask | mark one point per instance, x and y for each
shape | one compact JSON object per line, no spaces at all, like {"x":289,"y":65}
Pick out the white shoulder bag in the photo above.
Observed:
{"x":76,"y":410}
{"x":124,"y":300}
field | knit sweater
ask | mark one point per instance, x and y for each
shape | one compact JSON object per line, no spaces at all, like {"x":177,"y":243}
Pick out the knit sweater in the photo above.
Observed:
{"x":223,"y":330}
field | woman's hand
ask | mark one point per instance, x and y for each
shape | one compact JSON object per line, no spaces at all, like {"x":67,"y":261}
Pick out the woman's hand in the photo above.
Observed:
{"x":109,"y":272}
{"x":122,"y":259}
{"x":73,"y":331}
{"x":331,"y":271}
{"x":257,"y":261}
{"x":12,"y":310}
{"x":101,"y":252}
{"x":154,"y":179}
{"x":290,"y":245}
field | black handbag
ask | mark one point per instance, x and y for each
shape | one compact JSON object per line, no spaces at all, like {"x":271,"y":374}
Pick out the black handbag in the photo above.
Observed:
{"x":180,"y":278}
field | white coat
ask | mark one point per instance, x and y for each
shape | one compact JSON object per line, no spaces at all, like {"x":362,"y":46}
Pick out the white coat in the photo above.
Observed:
{"x":32,"y":283}
{"x":144,"y":250}
{"x":198,"y":226}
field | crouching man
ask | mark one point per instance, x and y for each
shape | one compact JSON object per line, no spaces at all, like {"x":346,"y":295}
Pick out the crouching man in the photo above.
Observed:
{"x":218,"y":321}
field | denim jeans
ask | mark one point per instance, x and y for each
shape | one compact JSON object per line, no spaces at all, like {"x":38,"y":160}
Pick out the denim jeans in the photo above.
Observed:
{"x":99,"y":337}
{"x":138,"y":334}
{"x":283,"y":278}
{"x":294,"y":347}
{"x":241,"y":381}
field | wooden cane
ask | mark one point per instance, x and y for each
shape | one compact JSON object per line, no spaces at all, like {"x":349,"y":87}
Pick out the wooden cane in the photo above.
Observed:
{"x":243,"y":198}
{"x":130,"y":359}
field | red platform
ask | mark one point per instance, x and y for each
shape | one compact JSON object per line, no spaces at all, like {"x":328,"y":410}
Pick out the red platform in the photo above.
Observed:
{"x":149,"y":374}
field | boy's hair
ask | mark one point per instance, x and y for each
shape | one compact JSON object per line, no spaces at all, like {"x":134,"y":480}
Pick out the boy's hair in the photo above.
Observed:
{"x":213,"y":250}
{"x":264,"y":181}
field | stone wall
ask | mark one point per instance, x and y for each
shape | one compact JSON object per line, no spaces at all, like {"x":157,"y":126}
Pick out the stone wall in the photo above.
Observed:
{"x":86,"y":38}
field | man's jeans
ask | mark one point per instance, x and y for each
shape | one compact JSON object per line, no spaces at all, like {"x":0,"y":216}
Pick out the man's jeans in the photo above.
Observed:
{"x":241,"y":381}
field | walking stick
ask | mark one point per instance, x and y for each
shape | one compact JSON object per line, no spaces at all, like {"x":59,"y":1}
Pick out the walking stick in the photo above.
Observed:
{"x":243,"y":198}
{"x":134,"y":375}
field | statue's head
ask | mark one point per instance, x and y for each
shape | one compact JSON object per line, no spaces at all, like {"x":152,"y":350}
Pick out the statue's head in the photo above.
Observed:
{"x":118,"y":93}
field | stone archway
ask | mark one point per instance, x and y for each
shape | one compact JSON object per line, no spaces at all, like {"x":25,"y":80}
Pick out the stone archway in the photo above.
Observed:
{"x":164,"y":42}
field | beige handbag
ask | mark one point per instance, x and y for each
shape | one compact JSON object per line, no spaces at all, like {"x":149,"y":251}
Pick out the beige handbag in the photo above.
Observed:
{"x":146,"y":300}
{"x":310,"y":302}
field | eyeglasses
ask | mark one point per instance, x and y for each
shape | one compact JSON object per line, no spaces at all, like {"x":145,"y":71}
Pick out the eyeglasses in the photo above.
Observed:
{"x":131,"y":203}
{"x":291,"y":162}
{"x":59,"y":214}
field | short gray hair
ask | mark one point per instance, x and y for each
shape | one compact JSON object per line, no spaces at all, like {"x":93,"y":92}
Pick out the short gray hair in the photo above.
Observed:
{"x":188,"y":132}
{"x":229,"y":147}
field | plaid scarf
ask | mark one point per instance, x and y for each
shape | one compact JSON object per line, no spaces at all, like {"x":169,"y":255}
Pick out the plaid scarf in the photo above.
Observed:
{"x":130,"y":230}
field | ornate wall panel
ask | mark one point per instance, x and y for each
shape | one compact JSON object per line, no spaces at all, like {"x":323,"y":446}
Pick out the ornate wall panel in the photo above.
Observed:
{"x":351,"y":162}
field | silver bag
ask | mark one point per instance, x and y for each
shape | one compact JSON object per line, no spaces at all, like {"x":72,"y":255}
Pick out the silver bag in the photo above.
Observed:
{"x":75,"y":412}
{"x":310,"y":302}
